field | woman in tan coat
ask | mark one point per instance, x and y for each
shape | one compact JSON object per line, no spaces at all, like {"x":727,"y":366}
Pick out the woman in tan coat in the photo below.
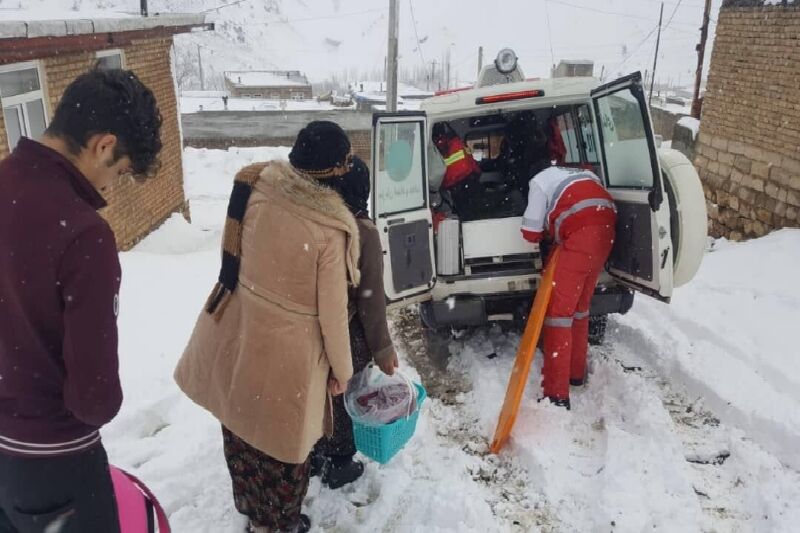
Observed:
{"x":273,"y":341}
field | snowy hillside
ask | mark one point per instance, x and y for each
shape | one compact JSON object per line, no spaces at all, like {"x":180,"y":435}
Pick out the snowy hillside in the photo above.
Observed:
{"x":689,"y":421}
{"x":346,"y":39}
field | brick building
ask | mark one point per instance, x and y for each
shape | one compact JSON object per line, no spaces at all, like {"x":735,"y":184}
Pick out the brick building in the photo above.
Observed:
{"x":748,"y":149}
{"x":38,"y":59}
{"x":270,"y":84}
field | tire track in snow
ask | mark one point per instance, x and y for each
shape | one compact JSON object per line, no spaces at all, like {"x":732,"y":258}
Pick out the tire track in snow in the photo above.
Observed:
{"x":740,"y":486}
{"x":511,"y":499}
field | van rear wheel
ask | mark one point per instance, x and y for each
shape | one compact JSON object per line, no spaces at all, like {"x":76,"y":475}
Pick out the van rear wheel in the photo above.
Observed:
{"x":597,"y":329}
{"x":427,"y":318}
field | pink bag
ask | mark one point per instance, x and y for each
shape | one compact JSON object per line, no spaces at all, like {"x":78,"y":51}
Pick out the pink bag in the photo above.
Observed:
{"x":138,"y":508}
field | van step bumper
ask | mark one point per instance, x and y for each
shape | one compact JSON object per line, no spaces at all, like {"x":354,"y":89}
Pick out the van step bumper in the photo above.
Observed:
{"x":471,"y":311}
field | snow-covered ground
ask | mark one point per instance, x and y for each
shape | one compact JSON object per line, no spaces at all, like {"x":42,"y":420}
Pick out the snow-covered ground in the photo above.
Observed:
{"x":690,"y":420}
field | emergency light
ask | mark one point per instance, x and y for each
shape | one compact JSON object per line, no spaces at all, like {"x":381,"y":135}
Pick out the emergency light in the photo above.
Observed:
{"x":506,"y":61}
{"x":505,"y":97}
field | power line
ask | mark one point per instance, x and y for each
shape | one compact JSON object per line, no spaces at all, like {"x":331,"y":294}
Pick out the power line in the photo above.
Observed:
{"x":673,"y":15}
{"x":636,"y":48}
{"x":549,"y":33}
{"x":614,"y":13}
{"x":416,"y":34}
{"x":224,"y":5}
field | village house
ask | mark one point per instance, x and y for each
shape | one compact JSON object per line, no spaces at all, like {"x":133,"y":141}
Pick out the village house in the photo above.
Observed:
{"x":268,"y":84}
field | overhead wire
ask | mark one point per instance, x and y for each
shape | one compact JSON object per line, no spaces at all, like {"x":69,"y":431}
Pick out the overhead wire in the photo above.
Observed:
{"x":416,"y":34}
{"x":224,"y":5}
{"x":549,"y":33}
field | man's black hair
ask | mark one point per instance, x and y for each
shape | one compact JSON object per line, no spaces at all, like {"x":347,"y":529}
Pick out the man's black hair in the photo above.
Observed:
{"x":111,"y":101}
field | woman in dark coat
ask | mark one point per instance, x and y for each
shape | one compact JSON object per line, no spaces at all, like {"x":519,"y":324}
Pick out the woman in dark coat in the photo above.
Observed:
{"x":369,"y":331}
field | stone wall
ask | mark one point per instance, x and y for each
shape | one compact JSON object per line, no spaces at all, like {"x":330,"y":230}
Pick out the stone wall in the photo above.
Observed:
{"x":134,"y":209}
{"x":224,"y":129}
{"x":360,"y":140}
{"x":748,"y":150}
{"x":664,"y":122}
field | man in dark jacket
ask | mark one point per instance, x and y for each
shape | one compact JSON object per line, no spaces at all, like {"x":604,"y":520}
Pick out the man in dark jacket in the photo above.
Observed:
{"x":59,"y":284}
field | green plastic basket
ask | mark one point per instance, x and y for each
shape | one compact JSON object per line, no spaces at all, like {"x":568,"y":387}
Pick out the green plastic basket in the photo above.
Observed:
{"x":381,"y":443}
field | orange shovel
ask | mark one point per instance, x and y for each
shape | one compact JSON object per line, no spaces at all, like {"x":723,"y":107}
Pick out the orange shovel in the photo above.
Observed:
{"x":525,"y":353}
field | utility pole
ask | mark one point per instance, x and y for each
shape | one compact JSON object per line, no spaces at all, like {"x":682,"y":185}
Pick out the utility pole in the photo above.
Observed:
{"x":448,"y":69}
{"x":433,"y":73}
{"x":701,"y":51}
{"x":391,"y":74}
{"x":480,"y":59}
{"x":655,"y":59}
{"x":200,"y":62}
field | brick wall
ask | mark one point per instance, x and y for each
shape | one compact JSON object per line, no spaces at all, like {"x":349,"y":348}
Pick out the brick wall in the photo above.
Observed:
{"x":134,"y":209}
{"x":748,"y":150}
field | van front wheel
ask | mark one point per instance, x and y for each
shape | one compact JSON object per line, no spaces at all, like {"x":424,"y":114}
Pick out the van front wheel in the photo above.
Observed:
{"x":597,"y":329}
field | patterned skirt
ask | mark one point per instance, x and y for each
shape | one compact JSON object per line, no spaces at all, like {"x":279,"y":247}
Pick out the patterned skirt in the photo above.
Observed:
{"x":341,"y":444}
{"x":266,"y":490}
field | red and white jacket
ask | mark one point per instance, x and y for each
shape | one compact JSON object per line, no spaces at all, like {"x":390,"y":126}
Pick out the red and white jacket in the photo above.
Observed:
{"x":562,"y":200}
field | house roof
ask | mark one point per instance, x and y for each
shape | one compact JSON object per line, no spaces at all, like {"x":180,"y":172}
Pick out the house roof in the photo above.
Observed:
{"x":576,"y":62}
{"x":26,"y":24}
{"x":267,"y":78}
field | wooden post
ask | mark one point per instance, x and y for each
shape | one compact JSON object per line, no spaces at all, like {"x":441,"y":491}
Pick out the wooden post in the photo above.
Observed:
{"x":655,"y":58}
{"x":391,"y":71}
{"x":701,"y":52}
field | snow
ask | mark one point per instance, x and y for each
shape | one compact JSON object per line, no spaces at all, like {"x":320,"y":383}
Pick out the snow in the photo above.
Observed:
{"x":57,"y":12}
{"x":404,"y":90}
{"x":691,"y":123}
{"x":710,"y":378}
{"x":730,"y":337}
{"x":195,"y":104}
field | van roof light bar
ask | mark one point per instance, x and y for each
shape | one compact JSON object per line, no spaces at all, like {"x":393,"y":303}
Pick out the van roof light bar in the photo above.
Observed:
{"x":505,"y":97}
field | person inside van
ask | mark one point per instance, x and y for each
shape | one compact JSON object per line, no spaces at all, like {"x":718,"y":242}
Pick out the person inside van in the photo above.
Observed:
{"x":462,"y":173}
{"x":524,"y":151}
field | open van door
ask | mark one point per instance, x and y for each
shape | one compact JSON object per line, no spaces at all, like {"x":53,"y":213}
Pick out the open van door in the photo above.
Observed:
{"x":400,"y":206}
{"x":642,"y":253}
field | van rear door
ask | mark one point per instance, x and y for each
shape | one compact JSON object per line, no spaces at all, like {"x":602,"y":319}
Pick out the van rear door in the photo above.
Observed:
{"x":642,"y":253}
{"x":400,"y":205}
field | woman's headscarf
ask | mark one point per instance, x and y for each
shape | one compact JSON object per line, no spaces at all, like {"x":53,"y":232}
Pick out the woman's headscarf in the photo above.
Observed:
{"x":354,"y":187}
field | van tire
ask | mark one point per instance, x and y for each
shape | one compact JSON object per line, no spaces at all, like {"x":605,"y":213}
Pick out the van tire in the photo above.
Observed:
{"x":427,"y":318}
{"x":597,"y":329}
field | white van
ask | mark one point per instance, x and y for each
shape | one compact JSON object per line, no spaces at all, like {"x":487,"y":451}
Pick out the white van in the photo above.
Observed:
{"x":481,"y":270}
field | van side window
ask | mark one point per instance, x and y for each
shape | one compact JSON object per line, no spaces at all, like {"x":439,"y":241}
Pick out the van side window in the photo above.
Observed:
{"x":625,"y":142}
{"x":399,"y":177}
{"x":485,"y":145}
{"x":587,"y":134}
{"x":570,"y":138}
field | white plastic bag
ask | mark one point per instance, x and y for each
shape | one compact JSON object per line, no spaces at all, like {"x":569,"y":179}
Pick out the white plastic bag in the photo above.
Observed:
{"x":374,"y":398}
